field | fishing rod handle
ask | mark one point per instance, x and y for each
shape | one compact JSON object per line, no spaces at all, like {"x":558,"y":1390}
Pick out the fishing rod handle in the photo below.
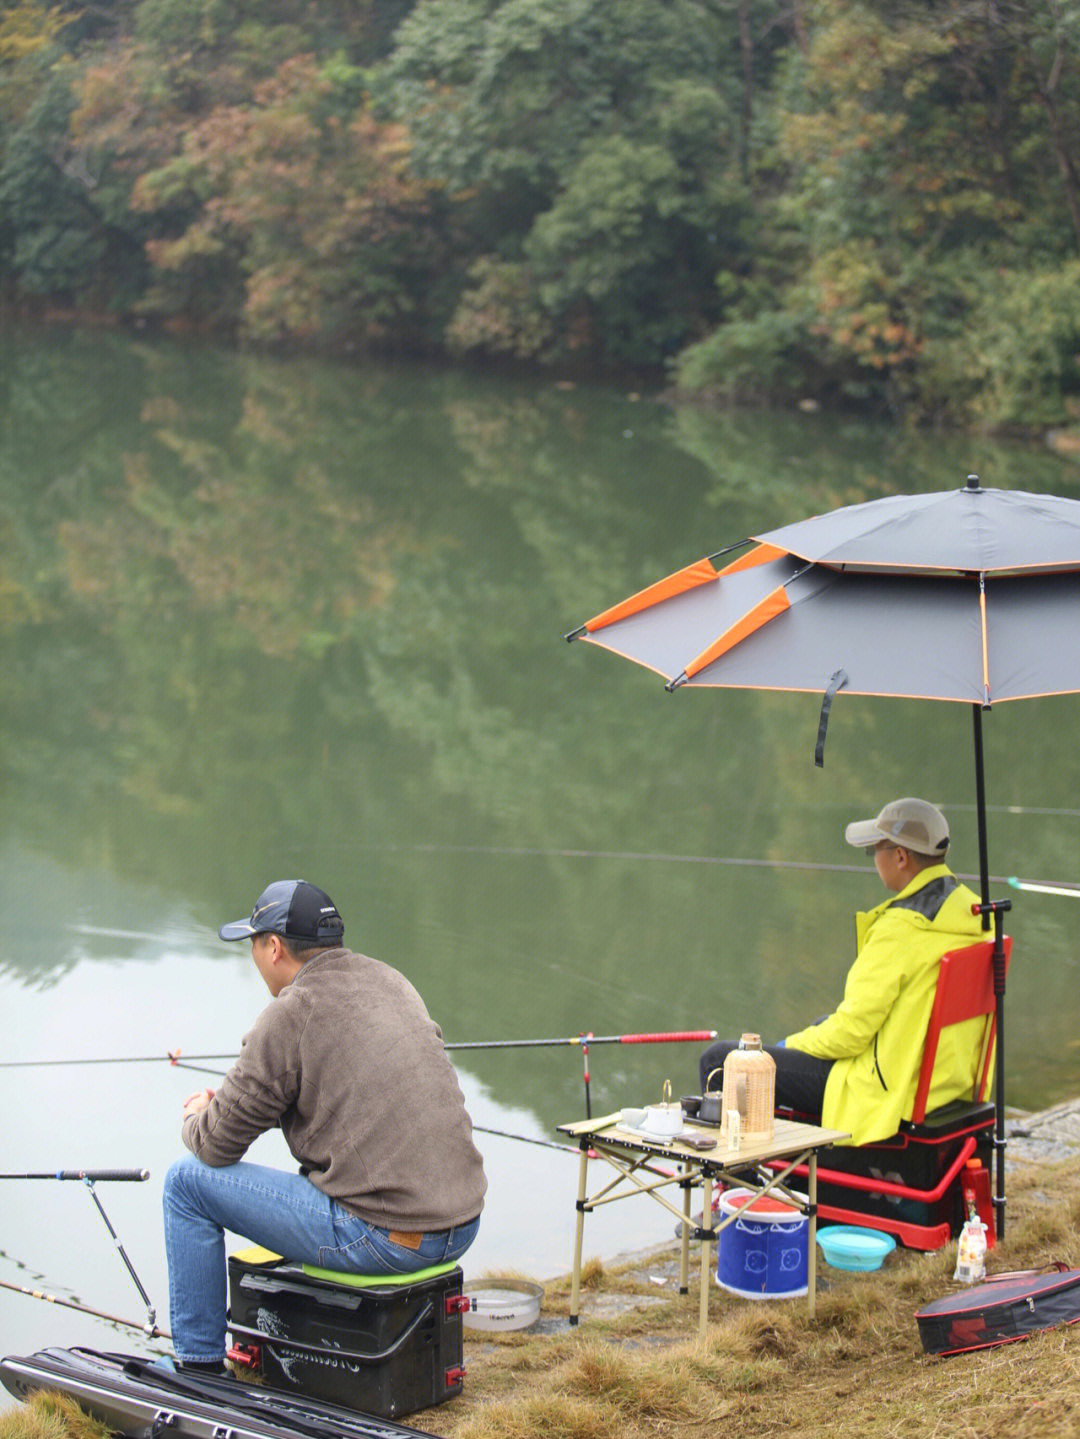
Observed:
{"x":684,"y":1036}
{"x":106,"y":1175}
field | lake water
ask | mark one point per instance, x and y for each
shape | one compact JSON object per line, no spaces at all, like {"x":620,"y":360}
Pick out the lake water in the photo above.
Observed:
{"x":264,"y":618}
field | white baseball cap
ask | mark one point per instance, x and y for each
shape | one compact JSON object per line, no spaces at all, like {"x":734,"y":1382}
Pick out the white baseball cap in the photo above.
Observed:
{"x":913,"y":823}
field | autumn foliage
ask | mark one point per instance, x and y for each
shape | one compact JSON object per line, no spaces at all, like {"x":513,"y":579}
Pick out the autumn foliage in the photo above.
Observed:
{"x":838,"y":199}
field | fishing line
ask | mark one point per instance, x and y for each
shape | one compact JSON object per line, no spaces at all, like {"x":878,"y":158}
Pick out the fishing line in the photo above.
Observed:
{"x":526,"y":1139}
{"x":653,"y":856}
{"x":106,"y":933}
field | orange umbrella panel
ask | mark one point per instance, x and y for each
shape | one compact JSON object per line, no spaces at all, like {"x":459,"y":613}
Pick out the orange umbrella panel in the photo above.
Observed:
{"x":784,"y":625}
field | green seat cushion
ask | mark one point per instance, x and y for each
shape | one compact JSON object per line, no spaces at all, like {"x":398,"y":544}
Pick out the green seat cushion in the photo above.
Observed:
{"x":377,"y":1281}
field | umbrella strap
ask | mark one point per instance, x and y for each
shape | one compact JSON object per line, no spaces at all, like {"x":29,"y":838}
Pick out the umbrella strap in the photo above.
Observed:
{"x":836,"y":682}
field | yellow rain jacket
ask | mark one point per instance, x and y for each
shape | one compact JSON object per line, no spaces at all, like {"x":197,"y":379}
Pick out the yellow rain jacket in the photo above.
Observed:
{"x":876,"y":1034}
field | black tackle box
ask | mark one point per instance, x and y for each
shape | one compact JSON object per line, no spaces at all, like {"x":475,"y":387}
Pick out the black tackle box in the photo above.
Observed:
{"x":919,"y":1157}
{"x":384,"y":1347}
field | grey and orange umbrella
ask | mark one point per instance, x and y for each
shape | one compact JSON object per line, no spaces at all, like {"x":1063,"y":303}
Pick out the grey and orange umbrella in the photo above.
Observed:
{"x":971,"y":596}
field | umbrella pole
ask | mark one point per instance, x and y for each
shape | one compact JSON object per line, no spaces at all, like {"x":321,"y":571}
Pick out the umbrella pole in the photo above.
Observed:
{"x":980,"y":810}
{"x":998,"y":908}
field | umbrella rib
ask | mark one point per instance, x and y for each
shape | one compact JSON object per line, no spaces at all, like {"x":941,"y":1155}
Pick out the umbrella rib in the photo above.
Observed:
{"x":765,"y":610}
{"x":985,"y":647}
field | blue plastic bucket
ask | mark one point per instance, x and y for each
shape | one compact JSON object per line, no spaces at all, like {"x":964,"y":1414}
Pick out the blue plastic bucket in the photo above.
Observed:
{"x":763,"y":1254}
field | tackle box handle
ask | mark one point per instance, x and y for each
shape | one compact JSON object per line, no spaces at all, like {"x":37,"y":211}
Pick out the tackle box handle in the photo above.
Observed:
{"x":272,"y":1341}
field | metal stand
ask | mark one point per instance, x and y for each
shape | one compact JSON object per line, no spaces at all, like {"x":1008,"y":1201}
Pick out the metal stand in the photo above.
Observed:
{"x":998,"y":908}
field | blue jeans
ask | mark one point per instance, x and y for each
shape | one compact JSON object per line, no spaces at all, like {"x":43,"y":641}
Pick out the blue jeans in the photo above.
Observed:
{"x":282,"y":1212}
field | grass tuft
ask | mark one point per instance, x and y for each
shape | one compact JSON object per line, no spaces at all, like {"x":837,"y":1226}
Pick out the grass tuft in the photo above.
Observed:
{"x":554,"y":1416}
{"x":48,"y":1415}
{"x":592,"y":1274}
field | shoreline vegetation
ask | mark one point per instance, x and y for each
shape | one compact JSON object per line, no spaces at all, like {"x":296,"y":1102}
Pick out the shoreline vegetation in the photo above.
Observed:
{"x":634,"y":1368}
{"x":813,"y":202}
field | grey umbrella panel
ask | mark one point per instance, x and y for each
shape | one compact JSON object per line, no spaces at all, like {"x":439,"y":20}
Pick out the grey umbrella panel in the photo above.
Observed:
{"x":968,"y":529}
{"x":786,"y":626}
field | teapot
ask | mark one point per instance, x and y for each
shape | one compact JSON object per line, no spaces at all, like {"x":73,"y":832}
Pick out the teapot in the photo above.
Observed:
{"x":664,"y":1119}
{"x":711,"y":1109}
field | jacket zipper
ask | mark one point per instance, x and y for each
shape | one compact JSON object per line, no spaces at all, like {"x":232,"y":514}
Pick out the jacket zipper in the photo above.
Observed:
{"x":877,"y":1066}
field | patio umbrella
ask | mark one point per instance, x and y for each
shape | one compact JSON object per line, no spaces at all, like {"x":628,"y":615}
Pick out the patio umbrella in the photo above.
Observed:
{"x":970,"y":596}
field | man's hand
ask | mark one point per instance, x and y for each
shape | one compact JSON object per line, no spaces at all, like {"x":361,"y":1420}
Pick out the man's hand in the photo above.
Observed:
{"x":197,"y":1102}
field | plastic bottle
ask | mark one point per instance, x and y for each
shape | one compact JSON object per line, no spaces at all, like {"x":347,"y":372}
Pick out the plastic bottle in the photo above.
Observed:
{"x":971,"y":1253}
{"x":975,"y":1187}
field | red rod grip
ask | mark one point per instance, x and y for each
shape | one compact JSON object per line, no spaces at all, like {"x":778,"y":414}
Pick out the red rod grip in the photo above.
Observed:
{"x":699,"y":1035}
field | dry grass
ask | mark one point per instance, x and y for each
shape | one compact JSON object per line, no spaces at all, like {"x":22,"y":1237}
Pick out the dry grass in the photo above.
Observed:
{"x":857,"y":1372}
{"x":50,"y":1416}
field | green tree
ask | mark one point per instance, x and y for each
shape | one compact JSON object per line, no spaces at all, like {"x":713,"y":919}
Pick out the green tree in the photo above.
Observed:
{"x":55,"y":241}
{"x":924,"y":148}
{"x":592,"y":152}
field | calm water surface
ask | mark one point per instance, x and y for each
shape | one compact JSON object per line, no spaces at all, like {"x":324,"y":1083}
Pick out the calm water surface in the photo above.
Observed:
{"x":265,"y":618}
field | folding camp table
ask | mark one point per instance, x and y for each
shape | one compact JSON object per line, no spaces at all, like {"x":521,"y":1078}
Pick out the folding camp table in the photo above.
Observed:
{"x":647,"y":1166}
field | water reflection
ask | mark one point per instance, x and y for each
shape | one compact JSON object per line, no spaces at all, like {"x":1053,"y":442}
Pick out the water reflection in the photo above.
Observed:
{"x":264,"y":618}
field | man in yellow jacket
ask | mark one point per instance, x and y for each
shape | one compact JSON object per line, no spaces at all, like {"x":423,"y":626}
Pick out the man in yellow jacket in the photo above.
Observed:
{"x":858,"y":1068}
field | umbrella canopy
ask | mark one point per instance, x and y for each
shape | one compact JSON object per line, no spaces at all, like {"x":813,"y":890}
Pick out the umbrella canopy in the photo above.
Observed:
{"x":775,"y":622}
{"x":969,"y":529}
{"x":969,"y":595}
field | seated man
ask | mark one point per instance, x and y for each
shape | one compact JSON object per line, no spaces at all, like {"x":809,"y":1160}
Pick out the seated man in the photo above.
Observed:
{"x":858,"y":1068}
{"x":348,"y":1062}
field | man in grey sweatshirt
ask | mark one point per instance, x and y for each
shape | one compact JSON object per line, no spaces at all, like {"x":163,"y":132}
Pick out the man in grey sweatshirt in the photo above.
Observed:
{"x":347,"y":1061}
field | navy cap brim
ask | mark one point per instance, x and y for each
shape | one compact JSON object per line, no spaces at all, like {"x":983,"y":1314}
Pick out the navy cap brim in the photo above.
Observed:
{"x":238,"y":929}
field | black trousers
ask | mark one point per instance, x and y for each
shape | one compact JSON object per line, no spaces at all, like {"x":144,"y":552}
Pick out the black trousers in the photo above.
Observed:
{"x":800,"y":1078}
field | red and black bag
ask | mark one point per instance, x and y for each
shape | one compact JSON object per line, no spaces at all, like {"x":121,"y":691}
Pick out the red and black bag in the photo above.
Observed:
{"x":1004,"y":1308}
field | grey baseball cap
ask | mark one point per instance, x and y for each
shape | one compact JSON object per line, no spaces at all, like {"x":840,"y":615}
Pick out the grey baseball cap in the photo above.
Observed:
{"x":293,"y":908}
{"x":914,"y":823}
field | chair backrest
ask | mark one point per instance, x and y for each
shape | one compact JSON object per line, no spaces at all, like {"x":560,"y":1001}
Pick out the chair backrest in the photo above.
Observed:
{"x":965,"y":990}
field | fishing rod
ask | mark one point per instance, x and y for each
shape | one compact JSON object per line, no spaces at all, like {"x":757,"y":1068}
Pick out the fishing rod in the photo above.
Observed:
{"x":91,"y":1176}
{"x":1069,"y":893}
{"x":681,"y":1036}
{"x":676,"y":1037}
{"x":582,"y":1041}
{"x":172,"y":1055}
{"x":190,"y":1060}
{"x":88,"y":1177}
{"x":151,"y":1330}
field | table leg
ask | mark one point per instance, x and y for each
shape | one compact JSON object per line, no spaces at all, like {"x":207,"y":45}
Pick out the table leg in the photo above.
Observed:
{"x":706,"y":1253}
{"x":811,"y":1258}
{"x":575,"y":1282}
{"x":684,"y":1252}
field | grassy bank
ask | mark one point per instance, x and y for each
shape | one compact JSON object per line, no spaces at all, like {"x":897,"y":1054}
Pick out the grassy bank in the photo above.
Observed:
{"x":858,"y":1370}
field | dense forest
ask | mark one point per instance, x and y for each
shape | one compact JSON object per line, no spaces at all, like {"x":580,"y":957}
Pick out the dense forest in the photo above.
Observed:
{"x":871,"y":202}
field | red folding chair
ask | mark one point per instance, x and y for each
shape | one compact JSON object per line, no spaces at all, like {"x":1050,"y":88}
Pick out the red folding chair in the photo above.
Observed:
{"x":909,"y":1185}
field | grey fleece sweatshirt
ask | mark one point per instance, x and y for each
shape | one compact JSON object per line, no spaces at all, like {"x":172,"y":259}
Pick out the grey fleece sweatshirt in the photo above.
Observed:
{"x":347,"y":1060}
